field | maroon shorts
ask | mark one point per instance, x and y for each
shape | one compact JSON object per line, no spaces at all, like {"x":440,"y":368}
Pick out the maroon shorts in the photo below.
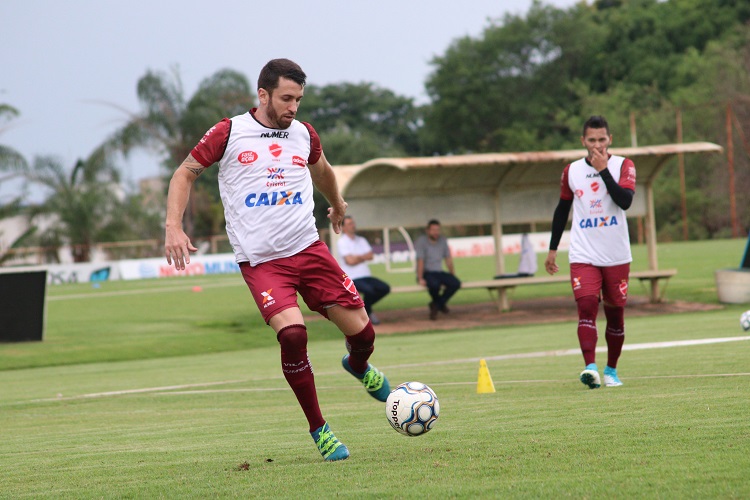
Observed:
{"x":313,"y":272}
{"x":611,"y":282}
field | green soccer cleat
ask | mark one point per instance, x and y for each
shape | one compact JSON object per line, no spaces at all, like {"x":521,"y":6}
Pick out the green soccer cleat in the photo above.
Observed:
{"x":590,"y":376}
{"x":373,"y":379}
{"x":331,"y":448}
{"x":610,"y":377}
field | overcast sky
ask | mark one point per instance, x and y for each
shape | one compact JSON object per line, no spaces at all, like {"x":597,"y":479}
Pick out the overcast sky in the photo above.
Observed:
{"x":60,"y":59}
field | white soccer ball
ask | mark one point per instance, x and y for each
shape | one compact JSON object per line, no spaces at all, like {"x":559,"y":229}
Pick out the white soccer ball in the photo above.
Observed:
{"x":412,"y":408}
{"x":745,"y":321}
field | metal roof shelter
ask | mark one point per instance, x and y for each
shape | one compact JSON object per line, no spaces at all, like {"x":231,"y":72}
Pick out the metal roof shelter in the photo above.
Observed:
{"x":494,"y":188}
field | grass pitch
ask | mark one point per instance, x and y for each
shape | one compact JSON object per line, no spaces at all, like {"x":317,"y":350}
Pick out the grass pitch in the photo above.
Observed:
{"x":177,"y":394}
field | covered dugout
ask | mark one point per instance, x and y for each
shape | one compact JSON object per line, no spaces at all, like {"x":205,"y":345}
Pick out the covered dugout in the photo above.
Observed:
{"x":493,"y":188}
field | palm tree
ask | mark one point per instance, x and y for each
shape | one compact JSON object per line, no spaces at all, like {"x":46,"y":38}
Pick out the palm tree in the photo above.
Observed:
{"x":10,"y":159}
{"x":173,"y":125}
{"x":11,"y":164}
{"x":86,"y":203}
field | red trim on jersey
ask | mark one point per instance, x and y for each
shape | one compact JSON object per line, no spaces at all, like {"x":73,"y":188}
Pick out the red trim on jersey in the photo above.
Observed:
{"x":627,"y":174}
{"x":565,"y":191}
{"x":316,"y":149}
{"x":212,"y":146}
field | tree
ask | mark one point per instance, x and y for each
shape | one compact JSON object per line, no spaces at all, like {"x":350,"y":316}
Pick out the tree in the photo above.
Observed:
{"x":10,"y":159}
{"x":12,"y":162}
{"x":359,"y":122}
{"x":385,"y":123}
{"x":172,"y":125}
{"x":498,"y":92}
{"x":86,"y":204}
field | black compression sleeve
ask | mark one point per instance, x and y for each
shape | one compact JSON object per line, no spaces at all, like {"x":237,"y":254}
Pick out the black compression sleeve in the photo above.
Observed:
{"x":559,"y":220}
{"x":623,"y":197}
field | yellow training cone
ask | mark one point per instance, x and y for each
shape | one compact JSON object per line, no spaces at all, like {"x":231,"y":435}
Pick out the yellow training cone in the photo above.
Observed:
{"x":484,"y":384}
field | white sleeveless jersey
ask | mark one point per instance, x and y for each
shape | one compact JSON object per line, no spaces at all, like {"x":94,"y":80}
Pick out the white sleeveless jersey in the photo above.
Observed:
{"x":265,"y":187}
{"x":599,"y":232}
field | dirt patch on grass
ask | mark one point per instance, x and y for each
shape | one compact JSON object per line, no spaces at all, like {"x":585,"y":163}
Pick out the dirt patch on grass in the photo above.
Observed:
{"x":548,"y":310}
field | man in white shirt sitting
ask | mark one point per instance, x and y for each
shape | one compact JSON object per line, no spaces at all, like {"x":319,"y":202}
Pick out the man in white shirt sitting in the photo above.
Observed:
{"x":354,"y":252}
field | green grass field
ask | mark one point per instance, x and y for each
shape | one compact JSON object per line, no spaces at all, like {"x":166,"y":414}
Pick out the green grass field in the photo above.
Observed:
{"x":148,"y":390}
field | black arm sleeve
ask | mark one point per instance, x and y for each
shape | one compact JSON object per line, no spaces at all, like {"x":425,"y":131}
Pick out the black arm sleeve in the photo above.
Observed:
{"x":623,"y":197}
{"x":559,"y":220}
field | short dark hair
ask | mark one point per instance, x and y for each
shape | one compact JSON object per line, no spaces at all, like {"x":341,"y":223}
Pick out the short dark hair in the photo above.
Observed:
{"x":596,"y":121}
{"x":277,"y":68}
{"x":433,"y":222}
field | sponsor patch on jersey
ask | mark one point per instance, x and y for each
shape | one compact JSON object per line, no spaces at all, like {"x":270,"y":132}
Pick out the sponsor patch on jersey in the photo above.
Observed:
{"x":595,"y":186}
{"x":275,"y":173}
{"x":598,"y":222}
{"x":273,"y":198}
{"x":579,"y":193}
{"x":595,"y":207}
{"x":298,"y":160}
{"x":276,"y":134}
{"x":247,"y":157}
{"x":275,"y":150}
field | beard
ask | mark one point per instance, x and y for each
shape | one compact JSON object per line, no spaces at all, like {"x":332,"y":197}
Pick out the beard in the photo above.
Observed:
{"x":275,"y":120}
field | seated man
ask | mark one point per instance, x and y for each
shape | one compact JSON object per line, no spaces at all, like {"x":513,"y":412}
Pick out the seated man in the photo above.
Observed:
{"x":354,"y":252}
{"x":432,"y":249}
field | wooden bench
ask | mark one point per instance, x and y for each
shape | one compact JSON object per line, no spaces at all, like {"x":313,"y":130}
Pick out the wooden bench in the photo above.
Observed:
{"x":498,"y":288}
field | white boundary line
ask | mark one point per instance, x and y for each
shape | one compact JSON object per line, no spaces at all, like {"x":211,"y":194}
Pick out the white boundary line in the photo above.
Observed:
{"x":572,"y":352}
{"x":175,"y":389}
{"x":139,"y":291}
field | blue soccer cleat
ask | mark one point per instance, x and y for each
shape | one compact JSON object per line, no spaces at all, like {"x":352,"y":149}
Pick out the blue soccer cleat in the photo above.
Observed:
{"x":331,"y":448}
{"x":590,"y":376}
{"x":610,"y":377}
{"x":373,"y":379}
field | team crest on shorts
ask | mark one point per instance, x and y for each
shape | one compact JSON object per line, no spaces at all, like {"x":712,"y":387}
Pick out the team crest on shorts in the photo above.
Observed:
{"x":349,"y":285}
{"x":624,"y":288}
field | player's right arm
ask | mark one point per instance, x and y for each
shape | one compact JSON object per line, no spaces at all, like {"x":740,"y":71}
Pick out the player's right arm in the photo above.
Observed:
{"x":177,"y":244}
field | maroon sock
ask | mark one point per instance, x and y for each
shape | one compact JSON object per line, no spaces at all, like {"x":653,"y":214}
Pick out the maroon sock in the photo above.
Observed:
{"x":615,"y":333}
{"x":588,"y":307}
{"x":298,"y":372}
{"x":360,"y":346}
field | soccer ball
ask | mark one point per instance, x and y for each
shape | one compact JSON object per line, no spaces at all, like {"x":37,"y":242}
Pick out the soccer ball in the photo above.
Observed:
{"x":412,"y":408}
{"x":745,"y":321}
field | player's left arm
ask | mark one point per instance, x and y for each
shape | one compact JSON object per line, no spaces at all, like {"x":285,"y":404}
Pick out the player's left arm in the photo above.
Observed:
{"x":325,"y":181}
{"x":622,"y":193}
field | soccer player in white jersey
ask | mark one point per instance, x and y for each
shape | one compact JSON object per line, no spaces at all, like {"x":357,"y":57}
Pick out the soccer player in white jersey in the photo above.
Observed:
{"x":268,"y":162}
{"x":599,"y":187}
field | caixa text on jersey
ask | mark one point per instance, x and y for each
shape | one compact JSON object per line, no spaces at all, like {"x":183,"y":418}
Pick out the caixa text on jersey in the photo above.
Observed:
{"x":273,"y":198}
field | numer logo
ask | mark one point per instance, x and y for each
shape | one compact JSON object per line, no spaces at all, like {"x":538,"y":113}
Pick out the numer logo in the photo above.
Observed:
{"x":277,"y":134}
